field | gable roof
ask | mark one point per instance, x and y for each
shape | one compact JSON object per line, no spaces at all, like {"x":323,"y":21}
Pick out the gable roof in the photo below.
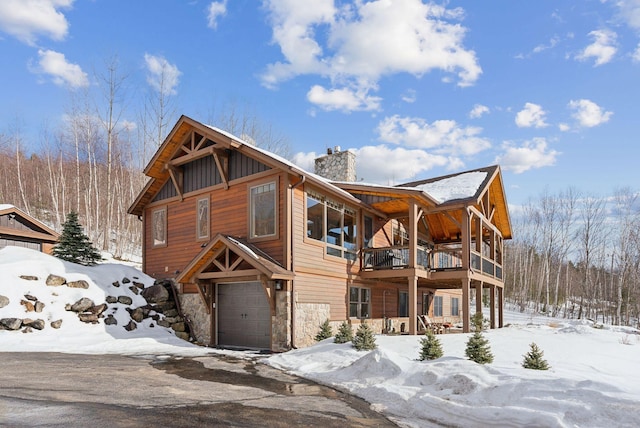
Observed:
{"x":39,"y":230}
{"x":249,"y":253}
{"x":159,"y":174}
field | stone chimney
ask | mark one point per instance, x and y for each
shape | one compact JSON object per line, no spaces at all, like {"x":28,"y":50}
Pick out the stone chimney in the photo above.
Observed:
{"x":337,"y":165}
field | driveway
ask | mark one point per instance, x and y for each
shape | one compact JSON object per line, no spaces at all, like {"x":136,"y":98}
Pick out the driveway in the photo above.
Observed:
{"x":69,"y":390}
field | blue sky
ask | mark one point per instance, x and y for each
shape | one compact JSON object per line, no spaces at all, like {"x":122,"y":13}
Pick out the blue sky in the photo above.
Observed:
{"x":417,"y":89}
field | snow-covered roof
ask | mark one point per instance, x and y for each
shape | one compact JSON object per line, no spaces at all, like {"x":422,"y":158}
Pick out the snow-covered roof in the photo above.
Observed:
{"x":461,"y":186}
{"x":6,"y":207}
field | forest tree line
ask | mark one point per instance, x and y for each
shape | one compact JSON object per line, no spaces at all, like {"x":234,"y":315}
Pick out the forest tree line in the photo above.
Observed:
{"x":577,"y":256}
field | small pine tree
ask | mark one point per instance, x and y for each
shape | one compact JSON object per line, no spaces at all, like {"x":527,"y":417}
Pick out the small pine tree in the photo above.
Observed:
{"x":533,"y":359}
{"x":364,"y":340}
{"x":73,"y":245}
{"x":325,"y":331}
{"x":478,"y":349}
{"x":431,"y":347}
{"x":345,"y":333}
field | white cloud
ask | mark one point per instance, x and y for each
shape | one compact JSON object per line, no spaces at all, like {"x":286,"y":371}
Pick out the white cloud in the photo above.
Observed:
{"x":532,"y":154}
{"x":564,"y":127}
{"x":531,"y":115}
{"x":588,"y":114}
{"x":389,"y":166}
{"x":360,"y":42}
{"x":343,"y":99}
{"x":478,"y":110}
{"x":162,"y":75}
{"x":26,"y":19}
{"x":602,"y":49}
{"x":442,"y":137}
{"x":552,"y":43}
{"x":636,"y":54}
{"x":62,"y":72}
{"x":215,"y":10}
{"x":629,"y":12}
{"x":409,"y":96}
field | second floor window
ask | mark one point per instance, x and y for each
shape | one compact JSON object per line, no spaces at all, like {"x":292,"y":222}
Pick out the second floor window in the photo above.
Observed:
{"x":202,"y":221}
{"x":332,"y":223}
{"x":159,"y":225}
{"x":262,"y":216}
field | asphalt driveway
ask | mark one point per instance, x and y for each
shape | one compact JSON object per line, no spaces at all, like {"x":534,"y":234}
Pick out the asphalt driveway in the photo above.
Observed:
{"x":70,"y":390}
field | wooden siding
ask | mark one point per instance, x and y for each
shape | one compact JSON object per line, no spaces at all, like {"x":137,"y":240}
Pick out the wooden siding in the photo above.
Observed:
{"x":229,"y":214}
{"x":33,"y":245}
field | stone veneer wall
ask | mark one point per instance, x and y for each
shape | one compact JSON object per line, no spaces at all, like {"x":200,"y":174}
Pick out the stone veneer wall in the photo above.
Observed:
{"x":281,"y":323}
{"x":193,"y":307}
{"x":338,"y":166}
{"x":309,"y":318}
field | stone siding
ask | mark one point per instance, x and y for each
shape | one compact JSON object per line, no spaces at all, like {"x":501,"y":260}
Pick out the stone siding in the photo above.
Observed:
{"x":337,"y":166}
{"x":309,"y":318}
{"x":281,"y":323}
{"x":194,"y":309}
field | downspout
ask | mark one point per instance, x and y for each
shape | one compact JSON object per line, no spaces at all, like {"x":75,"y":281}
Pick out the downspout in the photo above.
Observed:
{"x":303,"y":178}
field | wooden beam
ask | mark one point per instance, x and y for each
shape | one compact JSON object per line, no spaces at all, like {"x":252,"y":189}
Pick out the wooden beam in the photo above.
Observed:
{"x":201,"y":292}
{"x":200,"y":143}
{"x":248,"y":273}
{"x":223,"y":166}
{"x":176,"y":178}
{"x":190,"y":157}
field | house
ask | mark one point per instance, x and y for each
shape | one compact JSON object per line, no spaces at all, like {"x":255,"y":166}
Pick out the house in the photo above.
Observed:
{"x":262,"y":252}
{"x":19,"y":229}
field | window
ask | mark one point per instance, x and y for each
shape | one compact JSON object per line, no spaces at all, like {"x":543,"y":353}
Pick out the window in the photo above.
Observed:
{"x":202,"y":221}
{"x":159,"y":227}
{"x":455,"y":305}
{"x":437,"y":306}
{"x":426,"y":303}
{"x":263,"y":210}
{"x":359,"y":302}
{"x":403,"y":304}
{"x":332,"y":223}
{"x":400,"y":234}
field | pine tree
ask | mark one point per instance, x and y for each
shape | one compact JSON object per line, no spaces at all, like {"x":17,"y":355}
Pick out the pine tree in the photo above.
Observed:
{"x":431,"y":347}
{"x":73,"y":245}
{"x":478,"y":349}
{"x":364,"y":340}
{"x":533,"y":359}
{"x":345,"y":333}
{"x":325,"y":331}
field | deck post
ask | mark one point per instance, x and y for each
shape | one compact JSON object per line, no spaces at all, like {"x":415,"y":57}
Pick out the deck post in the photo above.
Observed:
{"x":492,"y":300}
{"x":500,"y":307}
{"x":413,"y":305}
{"x":466,"y":306}
{"x":479,"y":285}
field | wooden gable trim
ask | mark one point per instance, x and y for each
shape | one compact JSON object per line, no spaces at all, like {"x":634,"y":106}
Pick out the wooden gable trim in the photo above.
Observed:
{"x":177,"y":178}
{"x":49,"y":234}
{"x":222,"y":162}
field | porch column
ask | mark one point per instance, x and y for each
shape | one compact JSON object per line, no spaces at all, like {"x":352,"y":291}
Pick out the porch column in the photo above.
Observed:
{"x":500,"y":307}
{"x":413,"y":304}
{"x":492,"y":300}
{"x":466,"y":306}
{"x":479,"y":285}
{"x":413,"y":234}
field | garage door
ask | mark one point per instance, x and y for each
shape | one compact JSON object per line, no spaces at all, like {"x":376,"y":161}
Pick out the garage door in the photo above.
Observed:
{"x":244,"y":317}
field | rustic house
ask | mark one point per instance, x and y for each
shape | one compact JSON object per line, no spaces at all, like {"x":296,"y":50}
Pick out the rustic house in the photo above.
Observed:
{"x":19,"y":229}
{"x":262,"y":251}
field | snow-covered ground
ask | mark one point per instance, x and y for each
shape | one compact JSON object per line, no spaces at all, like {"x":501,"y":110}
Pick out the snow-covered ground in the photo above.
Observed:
{"x":594,"y":380}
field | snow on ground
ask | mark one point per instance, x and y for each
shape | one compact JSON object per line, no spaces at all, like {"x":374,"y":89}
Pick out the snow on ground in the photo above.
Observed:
{"x":594,"y":380}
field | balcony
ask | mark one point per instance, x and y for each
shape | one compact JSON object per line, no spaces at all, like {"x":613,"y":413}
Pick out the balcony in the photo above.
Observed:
{"x":433,"y":260}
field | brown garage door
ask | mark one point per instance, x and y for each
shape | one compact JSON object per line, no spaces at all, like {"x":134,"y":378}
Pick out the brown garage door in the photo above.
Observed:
{"x":244,"y":317}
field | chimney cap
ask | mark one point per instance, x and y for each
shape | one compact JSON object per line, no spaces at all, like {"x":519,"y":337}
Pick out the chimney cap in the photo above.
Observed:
{"x":336,"y":149}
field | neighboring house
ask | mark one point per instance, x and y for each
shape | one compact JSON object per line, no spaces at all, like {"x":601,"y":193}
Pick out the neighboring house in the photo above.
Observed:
{"x":19,"y":229}
{"x":262,"y":252}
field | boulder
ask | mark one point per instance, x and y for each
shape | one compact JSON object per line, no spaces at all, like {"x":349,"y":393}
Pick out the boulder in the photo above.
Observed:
{"x":30,"y":297}
{"x":29,"y":277}
{"x":98,"y":309}
{"x":28,"y":306}
{"x":37,"y":324}
{"x":78,"y":284}
{"x":39,"y":306}
{"x":126,"y":280}
{"x":88,"y":318}
{"x":125,"y":300}
{"x":56,"y":324}
{"x":116,"y":284}
{"x":110,"y":320}
{"x":134,"y":290}
{"x":55,"y":280}
{"x":182,"y":335}
{"x":155,"y":294}
{"x":82,"y":305}
{"x":136,"y":314}
{"x":131,"y":326}
{"x":164,"y":323}
{"x":111,"y":299}
{"x":171,"y":313}
{"x":27,"y":330}
{"x":4,"y":301}
{"x":11,"y":323}
{"x":179,"y":326}
{"x":138,"y":284}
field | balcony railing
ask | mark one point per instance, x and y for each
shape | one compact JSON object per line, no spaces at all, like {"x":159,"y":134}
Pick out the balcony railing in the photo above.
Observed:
{"x":485,"y":265}
{"x":396,"y":257}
